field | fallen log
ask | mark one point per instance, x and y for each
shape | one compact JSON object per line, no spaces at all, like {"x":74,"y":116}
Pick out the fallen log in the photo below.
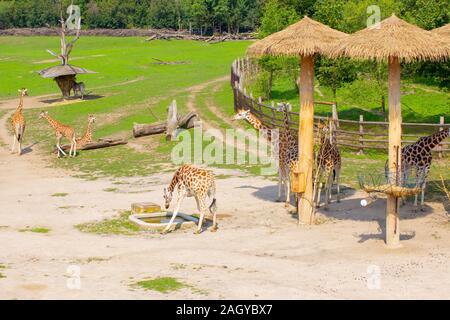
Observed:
{"x":101,"y":143}
{"x":175,"y":121}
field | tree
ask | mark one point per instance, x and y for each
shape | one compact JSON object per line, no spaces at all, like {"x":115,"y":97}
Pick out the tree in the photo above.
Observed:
{"x":335,"y":73}
{"x":276,"y":17}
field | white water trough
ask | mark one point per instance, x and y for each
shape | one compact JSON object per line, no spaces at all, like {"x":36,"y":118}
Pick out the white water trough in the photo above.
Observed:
{"x":149,"y":216}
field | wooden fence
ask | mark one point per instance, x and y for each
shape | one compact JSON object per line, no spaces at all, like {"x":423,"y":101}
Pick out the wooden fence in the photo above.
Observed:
{"x":359,"y":135}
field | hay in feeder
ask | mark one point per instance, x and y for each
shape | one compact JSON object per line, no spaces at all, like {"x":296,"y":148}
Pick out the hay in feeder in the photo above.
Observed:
{"x":393,"y":190}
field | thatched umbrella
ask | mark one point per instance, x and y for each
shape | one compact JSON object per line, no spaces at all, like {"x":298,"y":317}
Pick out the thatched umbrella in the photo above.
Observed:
{"x":65,"y":76}
{"x":303,"y":39}
{"x":443,"y":31}
{"x":394,"y":40}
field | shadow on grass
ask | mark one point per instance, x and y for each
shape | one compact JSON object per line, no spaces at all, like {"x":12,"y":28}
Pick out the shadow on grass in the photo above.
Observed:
{"x":86,"y":98}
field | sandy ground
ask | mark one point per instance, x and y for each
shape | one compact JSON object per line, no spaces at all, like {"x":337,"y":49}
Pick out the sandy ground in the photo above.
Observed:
{"x":259,"y":251}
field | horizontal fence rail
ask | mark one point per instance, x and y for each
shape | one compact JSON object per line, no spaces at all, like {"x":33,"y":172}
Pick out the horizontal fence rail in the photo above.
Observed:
{"x":359,"y":134}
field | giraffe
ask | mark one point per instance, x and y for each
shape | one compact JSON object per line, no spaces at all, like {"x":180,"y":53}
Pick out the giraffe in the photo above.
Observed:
{"x":18,"y":122}
{"x":87,"y":138}
{"x":61,"y":130}
{"x":328,"y":162}
{"x":266,"y":132}
{"x":418,"y":156}
{"x":288,"y":153}
{"x":192,"y":182}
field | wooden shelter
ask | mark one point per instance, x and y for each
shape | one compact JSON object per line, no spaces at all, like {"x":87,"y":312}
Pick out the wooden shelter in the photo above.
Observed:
{"x":394,"y":40}
{"x":64,"y":75}
{"x":304,"y":40}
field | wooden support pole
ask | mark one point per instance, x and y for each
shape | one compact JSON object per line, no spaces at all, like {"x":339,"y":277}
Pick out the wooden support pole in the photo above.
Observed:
{"x":306,"y":138}
{"x":361,"y":134}
{"x":395,"y":147}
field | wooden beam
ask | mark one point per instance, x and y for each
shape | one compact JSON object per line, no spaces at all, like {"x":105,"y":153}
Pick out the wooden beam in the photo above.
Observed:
{"x":395,"y":150}
{"x":306,"y":138}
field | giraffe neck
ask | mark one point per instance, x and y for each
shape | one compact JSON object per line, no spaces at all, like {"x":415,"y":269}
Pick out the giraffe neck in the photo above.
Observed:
{"x":88,"y":134}
{"x":52,"y":122}
{"x":257,"y":124}
{"x":286,"y":123}
{"x":432,"y":141}
{"x":20,"y":107}
{"x":174,"y":182}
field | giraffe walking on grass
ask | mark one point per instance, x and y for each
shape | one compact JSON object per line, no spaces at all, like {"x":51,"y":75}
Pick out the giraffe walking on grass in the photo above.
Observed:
{"x":18,"y":123}
{"x":192,"y":182}
{"x":61,"y":130}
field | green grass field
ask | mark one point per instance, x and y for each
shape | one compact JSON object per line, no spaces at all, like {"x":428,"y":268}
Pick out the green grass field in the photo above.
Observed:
{"x":129,"y":87}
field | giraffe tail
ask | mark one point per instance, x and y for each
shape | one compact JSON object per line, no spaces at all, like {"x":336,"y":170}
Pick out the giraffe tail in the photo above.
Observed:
{"x":18,"y":132}
{"x":213,"y":206}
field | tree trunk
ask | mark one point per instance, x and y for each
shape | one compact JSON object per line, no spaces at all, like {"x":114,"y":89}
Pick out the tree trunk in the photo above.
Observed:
{"x":65,"y":84}
{"x":306,"y":138}
{"x":101,"y":143}
{"x":395,"y":149}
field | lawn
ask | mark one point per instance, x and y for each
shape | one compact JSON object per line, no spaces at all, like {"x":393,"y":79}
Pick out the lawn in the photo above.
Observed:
{"x":131,"y":88}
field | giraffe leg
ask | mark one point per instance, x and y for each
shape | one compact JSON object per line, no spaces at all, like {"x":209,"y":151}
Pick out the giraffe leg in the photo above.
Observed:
{"x":328,"y":190}
{"x":74,"y":141}
{"x":13,"y":143}
{"x":181,"y":195}
{"x":202,"y":215}
{"x":318,"y":186}
{"x":20,"y":146}
{"x":422,"y":196}
{"x":280,"y":184}
{"x":338,"y":186}
{"x":288,"y":192}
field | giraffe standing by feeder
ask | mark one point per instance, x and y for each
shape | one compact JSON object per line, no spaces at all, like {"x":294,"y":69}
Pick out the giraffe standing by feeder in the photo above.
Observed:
{"x":418,"y":156}
{"x":288,"y":154}
{"x":18,"y":123}
{"x":87,"y":138}
{"x":328,"y":162}
{"x":197,"y":183}
{"x":61,"y":130}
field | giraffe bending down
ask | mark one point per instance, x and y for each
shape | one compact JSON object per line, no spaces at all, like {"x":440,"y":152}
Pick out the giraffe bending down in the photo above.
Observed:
{"x":61,"y":130}
{"x":288,"y":154}
{"x":87,"y":138}
{"x":418,"y":156}
{"x":328,"y":162}
{"x":197,"y":183}
{"x":18,"y":122}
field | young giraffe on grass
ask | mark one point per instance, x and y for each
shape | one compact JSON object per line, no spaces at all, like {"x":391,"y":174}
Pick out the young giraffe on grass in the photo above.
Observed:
{"x":61,"y":130}
{"x":419,"y":156}
{"x":197,"y":183}
{"x":328,"y":162}
{"x":87,"y":138}
{"x":288,"y":153}
{"x":18,"y":123}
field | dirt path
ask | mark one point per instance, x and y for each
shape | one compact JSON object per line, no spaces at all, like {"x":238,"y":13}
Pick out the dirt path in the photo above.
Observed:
{"x":259,"y":251}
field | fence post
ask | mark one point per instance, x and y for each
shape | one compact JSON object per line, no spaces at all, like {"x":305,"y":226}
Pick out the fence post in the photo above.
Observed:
{"x":335,"y":115}
{"x":361,"y":134}
{"x":440,"y":147}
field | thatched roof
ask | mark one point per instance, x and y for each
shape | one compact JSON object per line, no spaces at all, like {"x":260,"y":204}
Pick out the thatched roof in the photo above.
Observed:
{"x":393,"y":37}
{"x":63,"y":70}
{"x":442,"y":31}
{"x":303,"y":38}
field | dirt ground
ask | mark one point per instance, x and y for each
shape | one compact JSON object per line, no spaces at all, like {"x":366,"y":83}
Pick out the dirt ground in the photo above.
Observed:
{"x":259,"y":251}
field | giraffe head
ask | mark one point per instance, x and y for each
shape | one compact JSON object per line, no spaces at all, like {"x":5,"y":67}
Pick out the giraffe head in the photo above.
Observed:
{"x":23,"y":92}
{"x":167,"y":198}
{"x":324,"y":130}
{"x":91,"y":118}
{"x":43,"y":114}
{"x":283,"y":107}
{"x":241,"y":114}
